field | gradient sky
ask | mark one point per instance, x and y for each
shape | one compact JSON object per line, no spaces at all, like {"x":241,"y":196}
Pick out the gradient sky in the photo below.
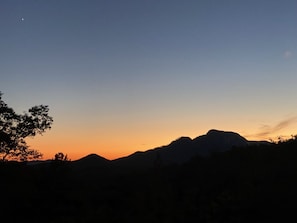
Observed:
{"x":124,"y":76}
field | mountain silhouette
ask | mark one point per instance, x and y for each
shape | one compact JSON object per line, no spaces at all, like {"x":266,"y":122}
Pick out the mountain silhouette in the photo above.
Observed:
{"x":185,"y":148}
{"x":90,"y":161}
{"x":178,"y":151}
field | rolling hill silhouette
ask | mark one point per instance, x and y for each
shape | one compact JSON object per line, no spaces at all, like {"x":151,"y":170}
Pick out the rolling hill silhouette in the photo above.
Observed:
{"x":91,"y":160}
{"x":90,"y":165}
{"x":178,"y":151}
{"x":185,"y":148}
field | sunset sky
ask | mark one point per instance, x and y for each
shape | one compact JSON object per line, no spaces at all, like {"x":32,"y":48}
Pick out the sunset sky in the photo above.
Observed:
{"x":121,"y":76}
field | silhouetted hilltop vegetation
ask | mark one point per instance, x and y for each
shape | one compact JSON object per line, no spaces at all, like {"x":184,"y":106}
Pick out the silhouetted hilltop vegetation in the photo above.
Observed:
{"x":251,"y":183}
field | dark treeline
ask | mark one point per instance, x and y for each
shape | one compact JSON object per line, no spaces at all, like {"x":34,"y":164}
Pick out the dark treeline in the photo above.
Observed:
{"x":251,"y":184}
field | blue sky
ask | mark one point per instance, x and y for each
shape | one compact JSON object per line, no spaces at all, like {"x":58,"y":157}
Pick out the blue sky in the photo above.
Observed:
{"x":121,"y":76}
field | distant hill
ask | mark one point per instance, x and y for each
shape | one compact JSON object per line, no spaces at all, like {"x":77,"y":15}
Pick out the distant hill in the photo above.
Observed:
{"x":90,"y":161}
{"x":178,"y":151}
{"x":185,"y":148}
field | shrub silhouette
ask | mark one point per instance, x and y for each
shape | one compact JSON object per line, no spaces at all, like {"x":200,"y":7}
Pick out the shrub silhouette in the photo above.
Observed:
{"x":61,"y":157}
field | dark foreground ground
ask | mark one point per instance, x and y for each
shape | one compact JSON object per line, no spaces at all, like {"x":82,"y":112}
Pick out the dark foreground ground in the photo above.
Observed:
{"x":254,"y":184}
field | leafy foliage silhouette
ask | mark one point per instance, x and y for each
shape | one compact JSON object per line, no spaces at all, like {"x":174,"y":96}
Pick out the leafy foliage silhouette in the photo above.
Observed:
{"x":15,"y":128}
{"x":61,"y":157}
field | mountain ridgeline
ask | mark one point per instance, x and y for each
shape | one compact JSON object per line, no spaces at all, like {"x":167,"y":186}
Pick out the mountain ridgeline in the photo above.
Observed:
{"x":179,"y":151}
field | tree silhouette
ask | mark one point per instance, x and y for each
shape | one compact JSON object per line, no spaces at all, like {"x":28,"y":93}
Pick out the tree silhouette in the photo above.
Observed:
{"x":14,"y":128}
{"x":61,"y":157}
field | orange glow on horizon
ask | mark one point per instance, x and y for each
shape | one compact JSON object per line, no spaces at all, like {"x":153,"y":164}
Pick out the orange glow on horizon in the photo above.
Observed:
{"x":112,"y":148}
{"x":116,"y":140}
